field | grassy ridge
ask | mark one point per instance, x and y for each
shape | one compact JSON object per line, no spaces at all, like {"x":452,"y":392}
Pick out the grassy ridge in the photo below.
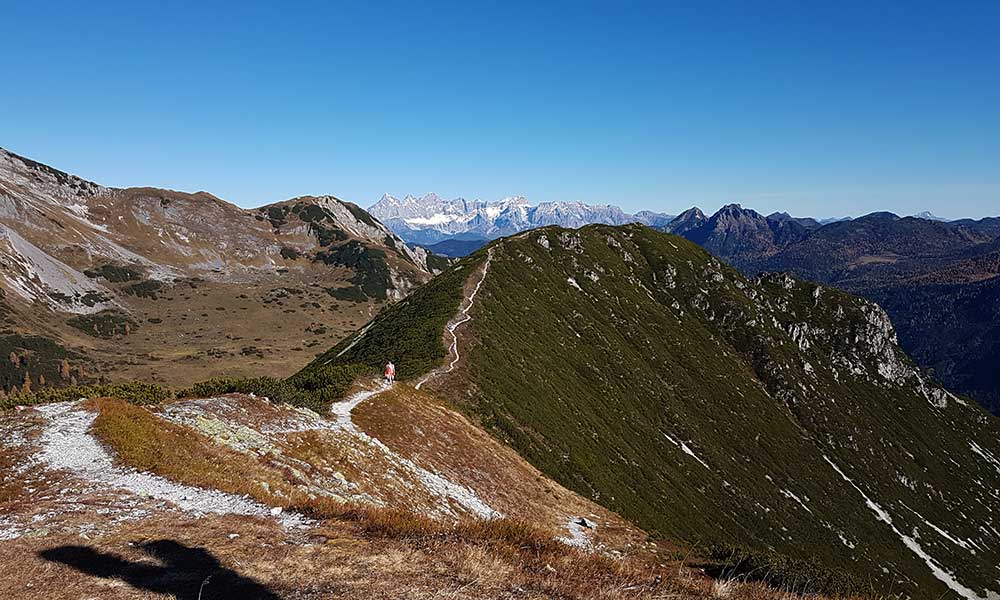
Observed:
{"x":409,"y":333}
{"x":636,"y":369}
{"x":602,"y":351}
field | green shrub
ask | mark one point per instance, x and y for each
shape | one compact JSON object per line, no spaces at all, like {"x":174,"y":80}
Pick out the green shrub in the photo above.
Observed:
{"x":327,"y":235}
{"x":409,"y":333}
{"x":351,"y":293}
{"x":36,"y":356}
{"x":134,"y":392}
{"x":314,"y":390}
{"x":105,"y":324}
{"x":437,"y":262}
{"x":275,"y":389}
{"x":778,"y":570}
{"x":143,"y":289}
{"x":114,"y":273}
{"x":332,"y":380}
{"x":371,"y":271}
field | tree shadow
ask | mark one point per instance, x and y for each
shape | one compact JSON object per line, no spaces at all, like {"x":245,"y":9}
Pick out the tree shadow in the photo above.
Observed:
{"x":184,"y":572}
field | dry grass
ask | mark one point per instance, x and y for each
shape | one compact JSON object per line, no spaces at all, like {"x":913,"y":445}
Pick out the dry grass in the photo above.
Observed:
{"x":537,"y":560}
{"x":146,"y":443}
{"x":369,"y":551}
{"x":420,"y":427}
{"x":507,"y":553}
{"x":11,"y":486}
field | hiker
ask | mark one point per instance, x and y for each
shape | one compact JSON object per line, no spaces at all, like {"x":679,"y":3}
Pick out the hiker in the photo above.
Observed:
{"x":390,"y":372}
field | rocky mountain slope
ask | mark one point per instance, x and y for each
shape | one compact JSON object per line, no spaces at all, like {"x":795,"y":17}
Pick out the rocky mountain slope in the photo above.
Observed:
{"x":128,"y":282}
{"x":737,"y":232}
{"x":772,"y":416}
{"x":431,"y":219}
{"x":936,"y":279}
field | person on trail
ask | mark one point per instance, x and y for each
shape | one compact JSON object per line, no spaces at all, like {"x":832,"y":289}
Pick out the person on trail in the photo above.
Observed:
{"x":390,"y":372}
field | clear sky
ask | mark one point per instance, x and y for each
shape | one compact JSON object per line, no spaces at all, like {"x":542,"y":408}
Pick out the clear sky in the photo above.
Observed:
{"x":817,"y":108}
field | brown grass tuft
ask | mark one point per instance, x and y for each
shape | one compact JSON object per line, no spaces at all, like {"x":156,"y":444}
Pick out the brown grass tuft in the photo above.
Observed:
{"x":484,"y":558}
{"x":142,"y":441}
{"x":11,"y":488}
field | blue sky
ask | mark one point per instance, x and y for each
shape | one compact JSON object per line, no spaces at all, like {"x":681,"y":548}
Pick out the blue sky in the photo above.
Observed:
{"x":815,"y":108}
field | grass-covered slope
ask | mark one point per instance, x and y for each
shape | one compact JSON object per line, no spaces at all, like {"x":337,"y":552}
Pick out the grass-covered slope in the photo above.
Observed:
{"x":409,"y":333}
{"x":772,"y":415}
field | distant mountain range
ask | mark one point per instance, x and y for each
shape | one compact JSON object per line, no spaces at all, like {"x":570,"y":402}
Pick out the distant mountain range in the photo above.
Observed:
{"x":939,"y":281}
{"x":431,"y":219}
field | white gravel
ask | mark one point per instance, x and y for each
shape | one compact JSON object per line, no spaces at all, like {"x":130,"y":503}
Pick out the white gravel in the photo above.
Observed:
{"x":579,"y":535}
{"x":67,"y":444}
{"x":438,"y":486}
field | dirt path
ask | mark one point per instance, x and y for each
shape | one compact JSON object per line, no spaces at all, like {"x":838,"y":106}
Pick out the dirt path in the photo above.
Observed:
{"x":462,"y":317}
{"x":448,"y":491}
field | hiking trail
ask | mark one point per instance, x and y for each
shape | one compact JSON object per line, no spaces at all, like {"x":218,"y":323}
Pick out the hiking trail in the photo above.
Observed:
{"x":463,"y":316}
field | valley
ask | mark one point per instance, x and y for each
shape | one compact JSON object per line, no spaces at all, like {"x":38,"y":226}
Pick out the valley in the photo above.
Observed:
{"x":177,"y":288}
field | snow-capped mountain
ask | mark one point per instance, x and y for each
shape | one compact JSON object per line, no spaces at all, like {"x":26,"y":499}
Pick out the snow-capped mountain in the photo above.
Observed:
{"x":929,"y":216}
{"x":430,"y":219}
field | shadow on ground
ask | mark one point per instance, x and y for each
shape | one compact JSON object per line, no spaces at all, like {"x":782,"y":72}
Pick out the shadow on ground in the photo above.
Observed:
{"x":183,"y":572}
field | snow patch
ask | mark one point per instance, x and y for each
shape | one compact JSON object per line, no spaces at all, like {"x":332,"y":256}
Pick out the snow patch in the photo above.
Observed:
{"x":686,"y":450}
{"x":937,"y":570}
{"x":788,"y":494}
{"x":579,"y":530}
{"x":438,"y":219}
{"x":986,"y":454}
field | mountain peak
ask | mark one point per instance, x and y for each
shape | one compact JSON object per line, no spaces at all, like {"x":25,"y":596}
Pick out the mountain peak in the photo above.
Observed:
{"x":881,"y":215}
{"x":692,"y":213}
{"x":735,"y":209}
{"x":929,"y":216}
{"x":431,"y":219}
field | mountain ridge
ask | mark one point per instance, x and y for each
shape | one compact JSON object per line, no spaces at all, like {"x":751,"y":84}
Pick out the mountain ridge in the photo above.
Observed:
{"x":431,"y":219}
{"x":953,"y":266}
{"x":721,"y":394}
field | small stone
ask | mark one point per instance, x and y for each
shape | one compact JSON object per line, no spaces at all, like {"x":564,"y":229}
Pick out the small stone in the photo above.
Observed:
{"x":276,"y":511}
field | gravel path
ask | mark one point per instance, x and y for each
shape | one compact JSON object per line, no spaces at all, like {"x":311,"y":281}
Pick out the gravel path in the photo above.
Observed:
{"x":66,"y":444}
{"x":437,"y":485}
